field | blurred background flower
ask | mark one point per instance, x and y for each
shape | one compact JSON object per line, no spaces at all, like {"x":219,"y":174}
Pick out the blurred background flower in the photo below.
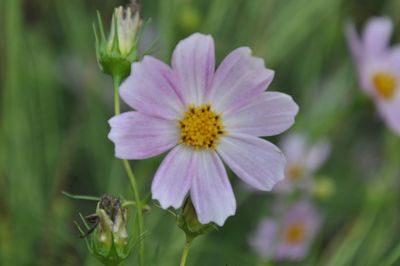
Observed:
{"x":378,"y":67}
{"x":303,"y":160}
{"x":287,"y":235}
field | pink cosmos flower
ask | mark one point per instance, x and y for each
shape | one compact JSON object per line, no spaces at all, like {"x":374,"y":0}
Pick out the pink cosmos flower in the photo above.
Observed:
{"x":203,"y":116}
{"x":303,"y":160}
{"x":378,"y":67}
{"x":290,"y":237}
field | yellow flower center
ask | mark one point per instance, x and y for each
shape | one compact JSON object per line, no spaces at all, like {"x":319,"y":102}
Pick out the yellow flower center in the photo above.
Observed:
{"x":201,"y":127}
{"x":295,"y":172}
{"x":385,"y":84}
{"x":295,"y":233}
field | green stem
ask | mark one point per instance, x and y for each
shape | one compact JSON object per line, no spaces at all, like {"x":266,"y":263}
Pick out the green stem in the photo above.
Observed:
{"x":139,"y":206}
{"x":131,"y":176}
{"x":185,"y":252}
{"x":117,"y":82}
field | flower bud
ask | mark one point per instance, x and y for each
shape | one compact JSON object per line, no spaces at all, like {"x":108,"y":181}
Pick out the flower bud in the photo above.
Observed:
{"x":110,"y":242}
{"x":120,"y":235}
{"x":103,"y":238}
{"x":189,"y":223}
{"x":116,"y":54}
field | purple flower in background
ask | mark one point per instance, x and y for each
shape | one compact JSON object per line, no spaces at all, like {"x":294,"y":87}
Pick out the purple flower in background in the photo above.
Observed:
{"x":378,"y":67}
{"x":203,"y":116}
{"x":290,"y":237}
{"x":303,"y":160}
{"x":265,"y":237}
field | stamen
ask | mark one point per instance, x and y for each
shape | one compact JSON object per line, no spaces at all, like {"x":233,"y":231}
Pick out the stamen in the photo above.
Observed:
{"x":201,"y":127}
{"x":295,"y":171}
{"x":385,"y":84}
{"x":295,"y":233}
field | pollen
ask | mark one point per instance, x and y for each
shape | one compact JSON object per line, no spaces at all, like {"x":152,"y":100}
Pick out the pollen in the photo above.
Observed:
{"x":201,"y":127}
{"x":295,"y":233}
{"x":385,"y":84}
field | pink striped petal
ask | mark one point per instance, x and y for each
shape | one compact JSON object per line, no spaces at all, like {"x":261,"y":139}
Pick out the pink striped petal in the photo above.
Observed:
{"x":174,"y":177}
{"x":376,"y":35}
{"x":139,"y":136}
{"x":239,"y":79}
{"x":270,"y":114}
{"x":211,"y":192}
{"x":193,"y":62}
{"x":150,"y":89}
{"x":256,"y":161}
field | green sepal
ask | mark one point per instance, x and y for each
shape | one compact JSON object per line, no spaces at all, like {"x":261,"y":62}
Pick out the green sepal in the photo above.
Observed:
{"x":189,"y":223}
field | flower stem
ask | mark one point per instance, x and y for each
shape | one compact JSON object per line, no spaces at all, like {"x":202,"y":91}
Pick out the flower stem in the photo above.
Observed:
{"x":117,"y":82}
{"x":131,"y":176}
{"x":185,"y":252}
{"x":139,"y":208}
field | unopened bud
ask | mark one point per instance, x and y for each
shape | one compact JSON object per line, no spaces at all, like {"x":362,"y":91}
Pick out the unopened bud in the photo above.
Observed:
{"x":103,"y":238}
{"x":128,"y":25}
{"x":116,"y":53}
{"x":120,"y":234}
{"x":189,"y":223}
{"x":109,"y":242}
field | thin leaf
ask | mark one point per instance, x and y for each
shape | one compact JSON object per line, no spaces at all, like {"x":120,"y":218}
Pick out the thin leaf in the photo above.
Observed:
{"x":80,"y":197}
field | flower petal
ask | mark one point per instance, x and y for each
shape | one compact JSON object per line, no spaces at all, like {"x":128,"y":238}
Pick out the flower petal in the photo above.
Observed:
{"x":150,"y":89}
{"x":256,"y":161}
{"x":193,"y":62}
{"x":239,"y":79}
{"x":263,"y":239}
{"x":174,"y":177}
{"x":294,"y":147}
{"x":139,"y":136}
{"x":394,"y":58}
{"x":211,"y":192}
{"x":317,"y":155}
{"x":270,"y":114}
{"x":376,"y":35}
{"x":390,"y":112}
{"x":354,"y":43}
